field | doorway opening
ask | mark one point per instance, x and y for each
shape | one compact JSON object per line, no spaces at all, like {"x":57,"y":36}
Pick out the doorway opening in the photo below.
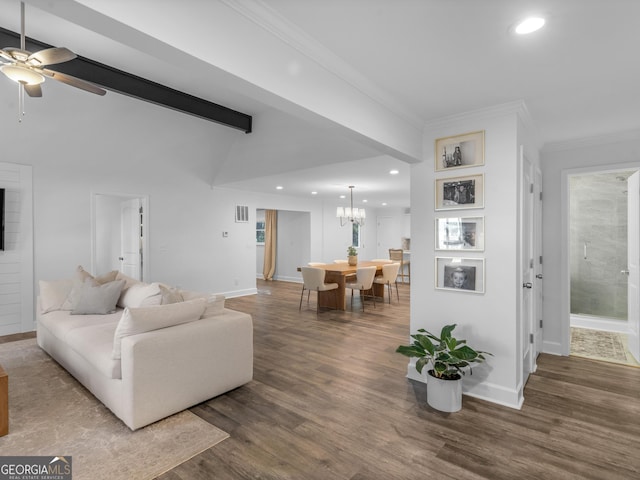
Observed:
{"x":293,"y":243}
{"x":120,"y":239}
{"x":598,"y":245}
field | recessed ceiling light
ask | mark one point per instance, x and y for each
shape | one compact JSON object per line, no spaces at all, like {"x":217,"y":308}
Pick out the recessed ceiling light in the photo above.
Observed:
{"x":314,"y":193}
{"x":365,"y":201}
{"x":384,"y":204}
{"x":529,"y":25}
{"x":394,"y":172}
{"x":279,"y":187}
{"x":343,"y":196}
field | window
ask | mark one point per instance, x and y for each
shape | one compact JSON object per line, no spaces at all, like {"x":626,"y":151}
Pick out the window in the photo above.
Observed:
{"x":260,"y":228}
{"x":355,"y":235}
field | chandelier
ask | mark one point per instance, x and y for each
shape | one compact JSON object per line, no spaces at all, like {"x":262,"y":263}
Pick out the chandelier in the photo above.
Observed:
{"x":351,"y":214}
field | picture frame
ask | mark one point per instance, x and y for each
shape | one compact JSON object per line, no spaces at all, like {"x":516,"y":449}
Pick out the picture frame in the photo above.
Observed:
{"x":459,"y":151}
{"x":459,"y":233}
{"x":459,"y":192}
{"x":457,"y":274}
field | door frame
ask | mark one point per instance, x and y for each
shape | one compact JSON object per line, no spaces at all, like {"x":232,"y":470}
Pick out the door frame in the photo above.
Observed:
{"x":565,"y":273}
{"x":144,"y":201}
{"x":526,"y":265}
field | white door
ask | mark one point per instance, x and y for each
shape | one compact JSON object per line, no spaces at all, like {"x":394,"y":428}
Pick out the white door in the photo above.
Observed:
{"x":633,"y":259}
{"x":527,"y":268}
{"x":389,"y":236}
{"x":131,"y":244}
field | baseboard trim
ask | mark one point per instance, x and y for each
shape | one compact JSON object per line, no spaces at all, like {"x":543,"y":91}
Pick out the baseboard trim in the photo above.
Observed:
{"x":552,"y":348}
{"x":240,"y":293}
{"x":599,"y":323}
{"x":480,"y":389}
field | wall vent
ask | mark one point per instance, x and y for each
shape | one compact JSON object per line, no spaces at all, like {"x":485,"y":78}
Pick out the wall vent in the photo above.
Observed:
{"x":242,"y":214}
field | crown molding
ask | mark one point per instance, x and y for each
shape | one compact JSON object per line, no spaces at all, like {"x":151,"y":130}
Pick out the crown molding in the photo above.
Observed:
{"x":266,"y":17}
{"x":510,"y":108}
{"x":594,"y":141}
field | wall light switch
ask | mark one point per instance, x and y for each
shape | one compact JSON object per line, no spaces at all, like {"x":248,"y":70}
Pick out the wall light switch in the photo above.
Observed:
{"x":225,"y":234}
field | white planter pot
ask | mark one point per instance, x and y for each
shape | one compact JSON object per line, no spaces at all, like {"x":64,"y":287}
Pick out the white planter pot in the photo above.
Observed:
{"x":444,"y":395}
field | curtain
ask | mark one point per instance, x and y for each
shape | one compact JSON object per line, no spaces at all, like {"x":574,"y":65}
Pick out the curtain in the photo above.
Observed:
{"x":270,"y":235}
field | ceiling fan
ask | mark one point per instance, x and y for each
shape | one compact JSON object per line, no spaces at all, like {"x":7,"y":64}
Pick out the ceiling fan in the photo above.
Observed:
{"x":28,"y":69}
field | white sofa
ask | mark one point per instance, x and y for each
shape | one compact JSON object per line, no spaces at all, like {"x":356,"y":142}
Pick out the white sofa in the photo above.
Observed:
{"x":149,"y":361}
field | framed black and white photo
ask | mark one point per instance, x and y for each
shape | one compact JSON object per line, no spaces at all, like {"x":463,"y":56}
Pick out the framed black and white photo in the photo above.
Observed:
{"x":460,"y":274}
{"x":460,"y":233}
{"x":459,"y":192}
{"x":459,"y":151}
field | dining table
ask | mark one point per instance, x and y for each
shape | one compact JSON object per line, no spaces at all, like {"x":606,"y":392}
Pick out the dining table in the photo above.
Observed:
{"x":338,"y":273}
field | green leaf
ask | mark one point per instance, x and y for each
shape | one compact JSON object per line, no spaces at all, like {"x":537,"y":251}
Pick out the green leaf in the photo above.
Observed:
{"x":465,"y":353}
{"x":446,"y":331}
{"x":420,"y":364}
{"x":411,"y":351}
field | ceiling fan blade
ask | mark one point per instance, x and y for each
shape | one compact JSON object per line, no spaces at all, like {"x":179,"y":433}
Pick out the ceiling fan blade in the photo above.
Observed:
{"x":50,"y":56}
{"x":73,"y":81}
{"x":33,"y":90}
{"x":6,"y":56}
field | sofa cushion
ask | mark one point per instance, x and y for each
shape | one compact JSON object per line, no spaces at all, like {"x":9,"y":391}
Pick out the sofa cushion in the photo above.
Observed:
{"x":215,"y":303}
{"x":140,"y":295}
{"x":97,"y":299}
{"x":60,"y":323}
{"x":95,"y":343}
{"x":54,"y":294}
{"x":145,"y":319}
{"x":170,"y":294}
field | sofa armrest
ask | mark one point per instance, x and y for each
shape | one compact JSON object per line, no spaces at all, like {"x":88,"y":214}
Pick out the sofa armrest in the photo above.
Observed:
{"x":168,"y":370}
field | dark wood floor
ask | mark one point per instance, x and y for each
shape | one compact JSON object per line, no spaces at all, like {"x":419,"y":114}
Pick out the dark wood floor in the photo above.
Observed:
{"x":330,"y":401}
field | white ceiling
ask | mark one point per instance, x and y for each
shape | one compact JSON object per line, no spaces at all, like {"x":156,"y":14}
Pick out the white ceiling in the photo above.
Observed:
{"x":426,"y":59}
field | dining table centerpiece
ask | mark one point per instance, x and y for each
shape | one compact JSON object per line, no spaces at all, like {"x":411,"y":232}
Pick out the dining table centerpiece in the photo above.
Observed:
{"x":352,"y":255}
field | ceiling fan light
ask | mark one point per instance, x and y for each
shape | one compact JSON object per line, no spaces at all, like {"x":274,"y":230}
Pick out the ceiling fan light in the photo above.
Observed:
{"x":22,"y":75}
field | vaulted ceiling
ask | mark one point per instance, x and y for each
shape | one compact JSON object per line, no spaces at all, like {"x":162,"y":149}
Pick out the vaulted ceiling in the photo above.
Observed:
{"x":336,"y":86}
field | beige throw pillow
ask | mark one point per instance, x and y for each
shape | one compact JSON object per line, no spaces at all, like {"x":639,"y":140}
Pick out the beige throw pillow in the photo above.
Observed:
{"x":97,"y":299}
{"x":53,"y":294}
{"x":146,"y":319}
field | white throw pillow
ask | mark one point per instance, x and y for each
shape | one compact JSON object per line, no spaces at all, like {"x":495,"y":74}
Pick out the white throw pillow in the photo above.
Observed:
{"x":146,"y":319}
{"x":129,"y":281}
{"x":53,"y":294}
{"x":140,"y":295}
{"x":97,"y":299}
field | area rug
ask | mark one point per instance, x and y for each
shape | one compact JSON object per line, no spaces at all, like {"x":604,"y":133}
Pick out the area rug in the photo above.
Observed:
{"x":600,"y":345}
{"x":51,"y":414}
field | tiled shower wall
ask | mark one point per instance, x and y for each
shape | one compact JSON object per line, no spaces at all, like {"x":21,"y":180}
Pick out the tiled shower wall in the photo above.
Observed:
{"x":598,"y":221}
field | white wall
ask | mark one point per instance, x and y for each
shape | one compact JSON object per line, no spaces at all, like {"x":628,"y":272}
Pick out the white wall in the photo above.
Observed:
{"x":488,"y":321}
{"x":558,"y":160}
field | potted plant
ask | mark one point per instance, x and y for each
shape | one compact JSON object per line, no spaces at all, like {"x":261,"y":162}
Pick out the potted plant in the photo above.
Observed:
{"x":448,"y":357}
{"x":352,"y":253}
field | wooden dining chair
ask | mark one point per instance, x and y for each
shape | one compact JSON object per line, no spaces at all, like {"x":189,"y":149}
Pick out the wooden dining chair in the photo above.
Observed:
{"x":389,"y":276}
{"x":313,"y":279}
{"x":397,"y":255}
{"x":364,"y":283}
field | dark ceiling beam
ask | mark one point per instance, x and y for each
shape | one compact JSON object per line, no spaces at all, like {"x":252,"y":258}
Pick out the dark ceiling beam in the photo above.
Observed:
{"x":137,"y":87}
